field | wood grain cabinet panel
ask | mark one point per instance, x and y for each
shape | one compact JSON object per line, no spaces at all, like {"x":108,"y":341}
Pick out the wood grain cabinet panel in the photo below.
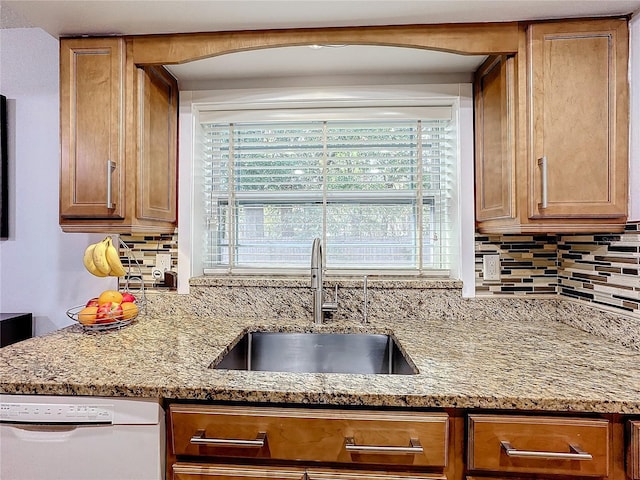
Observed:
{"x":91,"y":129}
{"x":195,"y":471}
{"x":157,"y":149}
{"x":564,"y":136}
{"x":633,"y":450}
{"x":348,"y":437}
{"x":190,"y":471}
{"x":578,"y":106}
{"x":119,"y":125}
{"x":326,"y":474}
{"x":495,"y":130}
{"x":538,"y":445}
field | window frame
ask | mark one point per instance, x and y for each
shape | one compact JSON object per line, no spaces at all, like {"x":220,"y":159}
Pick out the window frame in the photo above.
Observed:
{"x":194,"y":103}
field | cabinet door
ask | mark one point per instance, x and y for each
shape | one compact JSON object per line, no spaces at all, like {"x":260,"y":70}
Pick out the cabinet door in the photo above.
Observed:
{"x":91,"y":128}
{"x":578,"y":107}
{"x":157,"y":145}
{"x":633,"y":462}
{"x":495,"y":129}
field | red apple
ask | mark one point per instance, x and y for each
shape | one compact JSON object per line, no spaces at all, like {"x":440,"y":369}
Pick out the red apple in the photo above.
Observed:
{"x":127,"y":297}
{"x":109,"y":312}
{"x":93,"y":302}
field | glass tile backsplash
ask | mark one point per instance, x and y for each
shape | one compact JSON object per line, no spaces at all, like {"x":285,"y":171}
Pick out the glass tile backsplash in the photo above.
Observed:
{"x":601,"y":269}
{"x":597,"y":268}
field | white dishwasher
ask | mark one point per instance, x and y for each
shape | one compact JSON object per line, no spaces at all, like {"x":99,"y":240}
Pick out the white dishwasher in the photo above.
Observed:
{"x":81,"y":438}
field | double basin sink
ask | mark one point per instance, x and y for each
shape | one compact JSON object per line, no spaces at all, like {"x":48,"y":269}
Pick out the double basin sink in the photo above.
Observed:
{"x":360,"y":353}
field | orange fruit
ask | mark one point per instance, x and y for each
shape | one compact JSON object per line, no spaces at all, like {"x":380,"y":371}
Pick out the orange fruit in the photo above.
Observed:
{"x":87,"y":316}
{"x":110,"y":296}
{"x":129,"y":310}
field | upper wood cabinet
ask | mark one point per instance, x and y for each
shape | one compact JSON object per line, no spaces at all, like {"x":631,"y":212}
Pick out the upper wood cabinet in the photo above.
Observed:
{"x":118,"y":128}
{"x":571,"y":117}
{"x":157,"y":145}
{"x":92,"y":129}
{"x":551,"y":111}
{"x":495,"y":143}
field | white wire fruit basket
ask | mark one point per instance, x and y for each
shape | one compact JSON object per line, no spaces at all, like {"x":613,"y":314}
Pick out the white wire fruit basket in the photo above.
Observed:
{"x":116,"y":319}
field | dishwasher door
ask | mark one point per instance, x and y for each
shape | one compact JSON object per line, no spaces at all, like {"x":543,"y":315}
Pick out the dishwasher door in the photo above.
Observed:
{"x":80,"y":438}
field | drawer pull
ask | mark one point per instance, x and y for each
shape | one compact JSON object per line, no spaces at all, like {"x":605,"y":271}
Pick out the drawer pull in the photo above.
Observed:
{"x":576,"y":453}
{"x":200,"y":439}
{"x":415,"y":447}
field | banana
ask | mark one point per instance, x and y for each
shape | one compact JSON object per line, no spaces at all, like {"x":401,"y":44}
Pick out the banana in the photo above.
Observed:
{"x":99,"y":257}
{"x":113,"y":258}
{"x":88,"y":261}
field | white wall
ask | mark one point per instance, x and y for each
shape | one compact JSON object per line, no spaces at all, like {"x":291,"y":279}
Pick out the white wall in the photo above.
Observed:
{"x":41,"y":268}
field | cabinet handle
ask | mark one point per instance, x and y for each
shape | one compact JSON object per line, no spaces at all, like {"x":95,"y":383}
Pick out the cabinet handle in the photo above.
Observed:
{"x":200,"y":439}
{"x":415,"y":447}
{"x":111,"y":166}
{"x":542,"y":163}
{"x":576,"y":453}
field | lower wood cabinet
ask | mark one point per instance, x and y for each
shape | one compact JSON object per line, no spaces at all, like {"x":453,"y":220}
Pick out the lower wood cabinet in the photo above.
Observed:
{"x":305,"y":443}
{"x":185,"y":471}
{"x":194,"y":471}
{"x":297,"y":434}
{"x":205,"y":440}
{"x":633,"y":450}
{"x":538,"y":445}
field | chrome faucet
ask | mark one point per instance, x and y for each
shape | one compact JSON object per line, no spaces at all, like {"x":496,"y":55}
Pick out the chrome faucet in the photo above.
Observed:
{"x":319,"y":305}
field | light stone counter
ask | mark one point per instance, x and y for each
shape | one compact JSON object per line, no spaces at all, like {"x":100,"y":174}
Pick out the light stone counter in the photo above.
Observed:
{"x":502,"y":354}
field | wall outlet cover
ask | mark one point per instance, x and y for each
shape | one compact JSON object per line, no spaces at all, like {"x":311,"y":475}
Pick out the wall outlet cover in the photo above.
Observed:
{"x":491,"y":267}
{"x":163,"y":262}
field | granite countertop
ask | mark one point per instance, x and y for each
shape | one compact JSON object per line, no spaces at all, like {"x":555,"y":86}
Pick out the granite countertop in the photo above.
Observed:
{"x":470,"y":361}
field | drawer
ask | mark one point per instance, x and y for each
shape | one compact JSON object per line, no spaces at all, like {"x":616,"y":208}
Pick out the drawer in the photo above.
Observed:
{"x":547,"y":445}
{"x":633,"y":459}
{"x":188,"y":471}
{"x":359,"y":437}
{"x":315,"y":474}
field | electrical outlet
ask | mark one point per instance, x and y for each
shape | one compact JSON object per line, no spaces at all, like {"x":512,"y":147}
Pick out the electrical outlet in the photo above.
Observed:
{"x":491,"y":267}
{"x":163,"y":262}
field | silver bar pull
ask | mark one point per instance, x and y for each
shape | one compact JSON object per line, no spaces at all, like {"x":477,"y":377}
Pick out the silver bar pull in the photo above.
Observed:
{"x":576,"y":453}
{"x":200,"y":439}
{"x":542,"y":163}
{"x":111,"y":166}
{"x":414,"y":447}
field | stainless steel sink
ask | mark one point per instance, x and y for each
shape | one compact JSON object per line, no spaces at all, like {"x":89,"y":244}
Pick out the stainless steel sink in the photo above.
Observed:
{"x":317,"y":353}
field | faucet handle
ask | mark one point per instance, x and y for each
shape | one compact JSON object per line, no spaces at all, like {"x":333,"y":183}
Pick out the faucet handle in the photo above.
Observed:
{"x":331,"y":306}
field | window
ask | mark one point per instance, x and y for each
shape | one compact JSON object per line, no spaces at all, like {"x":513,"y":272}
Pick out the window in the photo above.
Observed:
{"x":380,"y":192}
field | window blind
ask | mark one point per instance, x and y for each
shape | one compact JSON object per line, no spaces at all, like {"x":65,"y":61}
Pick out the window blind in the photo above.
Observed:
{"x":380,"y":193}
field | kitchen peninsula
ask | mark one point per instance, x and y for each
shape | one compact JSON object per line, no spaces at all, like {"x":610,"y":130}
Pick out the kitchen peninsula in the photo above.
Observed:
{"x":478,"y":360}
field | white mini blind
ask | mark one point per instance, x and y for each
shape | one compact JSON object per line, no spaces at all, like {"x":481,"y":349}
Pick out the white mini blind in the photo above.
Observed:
{"x":378,"y":192}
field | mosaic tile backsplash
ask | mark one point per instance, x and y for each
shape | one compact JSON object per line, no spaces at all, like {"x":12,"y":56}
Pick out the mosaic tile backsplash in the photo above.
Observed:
{"x":528,"y":264}
{"x":143,"y":250}
{"x":602,"y":270}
